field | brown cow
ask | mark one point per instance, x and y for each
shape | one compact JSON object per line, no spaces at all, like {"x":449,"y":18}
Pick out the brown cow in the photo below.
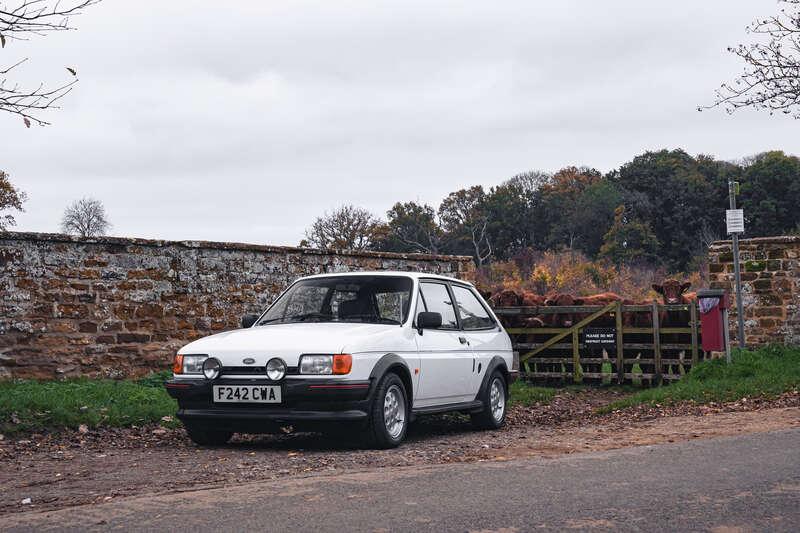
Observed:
{"x":530,"y":299}
{"x":566,"y":320}
{"x":505,"y":298}
{"x":674,"y":292}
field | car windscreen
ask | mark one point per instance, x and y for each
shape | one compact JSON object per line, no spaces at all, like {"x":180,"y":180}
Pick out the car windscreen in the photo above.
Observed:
{"x":364,"y":299}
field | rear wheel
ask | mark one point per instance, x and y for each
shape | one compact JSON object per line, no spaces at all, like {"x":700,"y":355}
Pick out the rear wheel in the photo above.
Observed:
{"x":208,"y":437}
{"x":493,"y":415}
{"x":389,"y":414}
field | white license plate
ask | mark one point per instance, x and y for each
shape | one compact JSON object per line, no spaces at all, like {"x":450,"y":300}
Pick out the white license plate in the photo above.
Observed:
{"x":247,"y":394}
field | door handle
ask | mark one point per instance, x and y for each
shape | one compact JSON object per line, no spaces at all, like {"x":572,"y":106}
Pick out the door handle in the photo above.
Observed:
{"x":463,"y":340}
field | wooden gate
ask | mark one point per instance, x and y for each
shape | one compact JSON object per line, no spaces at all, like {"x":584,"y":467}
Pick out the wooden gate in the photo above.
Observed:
{"x":644,"y":351}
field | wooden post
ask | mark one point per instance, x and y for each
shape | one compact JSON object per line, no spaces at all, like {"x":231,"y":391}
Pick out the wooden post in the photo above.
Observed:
{"x":620,"y":361}
{"x":656,"y":344}
{"x":693,"y":313}
{"x":577,"y":374}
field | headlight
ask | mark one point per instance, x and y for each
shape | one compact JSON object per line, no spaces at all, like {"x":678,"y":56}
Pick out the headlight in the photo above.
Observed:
{"x":326,"y":364}
{"x":276,"y":369}
{"x":316,"y":364}
{"x":193,"y":364}
{"x":211,"y":368}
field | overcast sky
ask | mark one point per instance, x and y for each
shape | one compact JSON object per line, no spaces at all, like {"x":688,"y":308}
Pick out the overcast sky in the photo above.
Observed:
{"x":242,"y":121}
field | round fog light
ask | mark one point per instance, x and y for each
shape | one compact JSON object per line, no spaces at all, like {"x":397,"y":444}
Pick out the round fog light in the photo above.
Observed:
{"x":276,"y":369}
{"x":211,"y":368}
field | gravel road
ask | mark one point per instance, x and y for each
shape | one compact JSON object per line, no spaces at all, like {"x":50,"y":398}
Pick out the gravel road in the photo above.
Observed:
{"x":743,"y":483}
{"x":46,"y":472}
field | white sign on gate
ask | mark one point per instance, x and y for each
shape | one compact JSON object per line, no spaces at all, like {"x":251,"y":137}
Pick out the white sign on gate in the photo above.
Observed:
{"x":734,"y":219}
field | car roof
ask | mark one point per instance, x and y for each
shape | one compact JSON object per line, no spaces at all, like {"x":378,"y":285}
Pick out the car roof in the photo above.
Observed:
{"x":414,"y":275}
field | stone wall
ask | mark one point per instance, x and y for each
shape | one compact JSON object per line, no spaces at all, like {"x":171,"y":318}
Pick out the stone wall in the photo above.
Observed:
{"x":770,"y":287}
{"x":117,"y":307}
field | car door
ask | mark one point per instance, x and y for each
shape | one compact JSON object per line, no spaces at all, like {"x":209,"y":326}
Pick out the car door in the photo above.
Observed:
{"x":482,"y":333}
{"x":446,"y":360}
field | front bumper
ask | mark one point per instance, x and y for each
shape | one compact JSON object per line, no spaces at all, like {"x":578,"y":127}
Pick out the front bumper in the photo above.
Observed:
{"x":305,"y":404}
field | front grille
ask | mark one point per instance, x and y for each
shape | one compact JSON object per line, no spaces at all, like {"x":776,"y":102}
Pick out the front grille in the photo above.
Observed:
{"x":251,"y":370}
{"x":243,"y":371}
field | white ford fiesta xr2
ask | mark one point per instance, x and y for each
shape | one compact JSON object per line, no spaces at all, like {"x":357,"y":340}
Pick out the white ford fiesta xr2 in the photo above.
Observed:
{"x":359,"y":352}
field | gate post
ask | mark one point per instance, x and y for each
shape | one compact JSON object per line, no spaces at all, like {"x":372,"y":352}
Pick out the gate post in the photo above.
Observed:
{"x":620,"y":360}
{"x":577,"y":373}
{"x":693,"y":313}
{"x":656,"y":344}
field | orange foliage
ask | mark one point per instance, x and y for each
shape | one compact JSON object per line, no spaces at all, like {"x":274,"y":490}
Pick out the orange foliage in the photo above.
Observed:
{"x":572,"y":272}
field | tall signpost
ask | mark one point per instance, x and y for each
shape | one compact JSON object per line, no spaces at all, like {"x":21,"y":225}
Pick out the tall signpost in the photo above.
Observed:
{"x":735,"y":225}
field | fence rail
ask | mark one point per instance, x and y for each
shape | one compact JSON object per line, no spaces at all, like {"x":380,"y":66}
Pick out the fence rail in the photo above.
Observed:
{"x":644,"y":349}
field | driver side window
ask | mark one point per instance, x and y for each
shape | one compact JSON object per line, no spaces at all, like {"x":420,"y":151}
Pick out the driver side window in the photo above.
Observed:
{"x":437,"y":299}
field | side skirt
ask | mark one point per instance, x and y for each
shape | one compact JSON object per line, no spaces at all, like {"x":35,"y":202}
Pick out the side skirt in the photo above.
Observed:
{"x":474,"y":406}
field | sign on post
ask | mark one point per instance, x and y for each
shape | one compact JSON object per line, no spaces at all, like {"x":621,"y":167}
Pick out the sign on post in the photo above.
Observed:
{"x":734,"y":219}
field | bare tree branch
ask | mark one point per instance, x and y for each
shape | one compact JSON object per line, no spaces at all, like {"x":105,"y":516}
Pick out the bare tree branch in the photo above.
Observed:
{"x":771,"y":78}
{"x":18,"y":20}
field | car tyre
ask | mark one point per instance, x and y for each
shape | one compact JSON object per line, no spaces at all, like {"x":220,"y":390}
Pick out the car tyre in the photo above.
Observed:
{"x":208,"y":437}
{"x":494,"y":399}
{"x":388,"y":421}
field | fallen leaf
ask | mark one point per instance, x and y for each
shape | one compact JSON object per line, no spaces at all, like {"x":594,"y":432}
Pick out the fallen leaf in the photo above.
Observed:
{"x":159,"y":431}
{"x":26,"y":501}
{"x":83,"y":428}
{"x":14,"y":418}
{"x":166,"y":418}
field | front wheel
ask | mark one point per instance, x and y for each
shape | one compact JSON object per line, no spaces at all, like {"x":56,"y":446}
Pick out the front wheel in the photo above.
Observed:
{"x":493,"y":415}
{"x":389,"y":415}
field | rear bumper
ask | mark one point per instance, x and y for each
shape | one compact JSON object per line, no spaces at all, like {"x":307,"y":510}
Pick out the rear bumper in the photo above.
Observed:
{"x":304,"y":403}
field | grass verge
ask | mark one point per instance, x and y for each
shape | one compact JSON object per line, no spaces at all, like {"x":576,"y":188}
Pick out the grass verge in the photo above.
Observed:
{"x":767,"y":372}
{"x":28,"y":405}
{"x":522,"y":393}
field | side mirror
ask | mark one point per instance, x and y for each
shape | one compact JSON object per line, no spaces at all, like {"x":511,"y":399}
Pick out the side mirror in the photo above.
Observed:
{"x":249,"y":320}
{"x":428,"y":320}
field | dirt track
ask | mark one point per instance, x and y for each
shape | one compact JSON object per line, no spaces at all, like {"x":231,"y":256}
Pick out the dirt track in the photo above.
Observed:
{"x":63,"y":470}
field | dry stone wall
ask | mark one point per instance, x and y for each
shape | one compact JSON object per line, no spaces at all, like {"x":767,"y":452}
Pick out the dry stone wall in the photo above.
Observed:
{"x":770,"y":287}
{"x":118,"y":307}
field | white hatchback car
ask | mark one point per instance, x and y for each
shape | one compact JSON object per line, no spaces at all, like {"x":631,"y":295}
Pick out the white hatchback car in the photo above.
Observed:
{"x":366,"y":351}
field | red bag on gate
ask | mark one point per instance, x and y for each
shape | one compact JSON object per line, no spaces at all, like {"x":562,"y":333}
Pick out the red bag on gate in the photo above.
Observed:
{"x":712,"y":327}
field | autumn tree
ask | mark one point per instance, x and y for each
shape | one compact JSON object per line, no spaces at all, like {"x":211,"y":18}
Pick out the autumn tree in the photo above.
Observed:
{"x":347,"y":228}
{"x":629,"y":241}
{"x":578,"y":203}
{"x":86,"y":218}
{"x":411,"y":227}
{"x":464,"y":218}
{"x":771,"y":194}
{"x":680,"y":197}
{"x":511,"y":209}
{"x":19,"y":21}
{"x":771,"y":77}
{"x":11,"y":199}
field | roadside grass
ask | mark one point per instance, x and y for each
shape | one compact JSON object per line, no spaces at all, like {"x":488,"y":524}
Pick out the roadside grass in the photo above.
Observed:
{"x":522,"y":393}
{"x":766,"y":372}
{"x":28,"y":405}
